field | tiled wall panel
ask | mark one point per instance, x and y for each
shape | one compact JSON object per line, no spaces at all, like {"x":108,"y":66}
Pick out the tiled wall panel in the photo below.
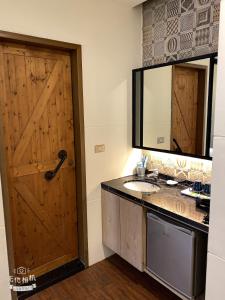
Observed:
{"x":180,"y":167}
{"x":178,"y":29}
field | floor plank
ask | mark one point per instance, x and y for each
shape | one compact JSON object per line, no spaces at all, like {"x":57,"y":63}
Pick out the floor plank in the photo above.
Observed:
{"x":110,"y":279}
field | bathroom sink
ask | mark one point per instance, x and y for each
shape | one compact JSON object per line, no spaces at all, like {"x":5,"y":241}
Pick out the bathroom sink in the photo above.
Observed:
{"x":141,"y":186}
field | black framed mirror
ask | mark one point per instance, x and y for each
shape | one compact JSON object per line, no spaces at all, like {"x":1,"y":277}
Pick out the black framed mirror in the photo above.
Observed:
{"x":173,"y":106}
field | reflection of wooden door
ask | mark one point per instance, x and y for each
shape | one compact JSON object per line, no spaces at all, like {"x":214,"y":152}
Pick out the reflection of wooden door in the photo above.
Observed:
{"x":188,"y":109}
{"x":36,"y":105}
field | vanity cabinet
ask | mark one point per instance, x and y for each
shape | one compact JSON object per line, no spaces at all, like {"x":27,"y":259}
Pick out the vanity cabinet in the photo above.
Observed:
{"x":111,"y":221}
{"x":132,"y":231}
{"x":124,"y":228}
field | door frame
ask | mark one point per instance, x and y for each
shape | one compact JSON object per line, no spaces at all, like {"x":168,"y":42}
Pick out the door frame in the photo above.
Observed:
{"x":201,"y":98}
{"x":79,"y":145}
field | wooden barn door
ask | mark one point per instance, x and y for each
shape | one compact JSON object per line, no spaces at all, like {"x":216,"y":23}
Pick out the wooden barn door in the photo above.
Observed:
{"x":188,"y":97}
{"x":36,"y":107}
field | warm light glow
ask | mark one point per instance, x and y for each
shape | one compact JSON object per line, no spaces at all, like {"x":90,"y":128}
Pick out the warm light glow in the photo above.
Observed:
{"x":133,"y":158}
{"x":187,"y":162}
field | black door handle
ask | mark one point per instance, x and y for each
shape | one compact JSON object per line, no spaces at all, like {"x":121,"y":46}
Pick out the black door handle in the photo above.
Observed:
{"x":178,"y":150}
{"x":62,"y":155}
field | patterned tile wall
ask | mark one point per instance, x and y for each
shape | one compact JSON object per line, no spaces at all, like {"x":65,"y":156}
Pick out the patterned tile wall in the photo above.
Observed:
{"x":181,"y":167}
{"x":177,"y":29}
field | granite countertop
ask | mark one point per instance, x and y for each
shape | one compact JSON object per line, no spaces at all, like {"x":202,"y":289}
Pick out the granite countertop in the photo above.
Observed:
{"x":167,"y":201}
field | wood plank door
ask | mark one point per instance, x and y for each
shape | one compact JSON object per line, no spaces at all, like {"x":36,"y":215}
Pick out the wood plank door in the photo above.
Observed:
{"x":37,"y":115}
{"x":188,"y":96}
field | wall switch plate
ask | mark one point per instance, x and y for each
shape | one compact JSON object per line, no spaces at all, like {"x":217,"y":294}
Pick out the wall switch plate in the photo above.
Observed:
{"x":160,"y":140}
{"x":99,"y":148}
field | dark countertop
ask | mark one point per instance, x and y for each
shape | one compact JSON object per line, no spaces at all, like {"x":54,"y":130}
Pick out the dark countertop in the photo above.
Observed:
{"x":168,"y":201}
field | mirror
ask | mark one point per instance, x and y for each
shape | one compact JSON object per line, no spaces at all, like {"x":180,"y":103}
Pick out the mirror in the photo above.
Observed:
{"x":173,"y":106}
{"x":213,"y":105}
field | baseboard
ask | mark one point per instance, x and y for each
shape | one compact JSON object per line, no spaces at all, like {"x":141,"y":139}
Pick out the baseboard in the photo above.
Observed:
{"x":53,"y":277}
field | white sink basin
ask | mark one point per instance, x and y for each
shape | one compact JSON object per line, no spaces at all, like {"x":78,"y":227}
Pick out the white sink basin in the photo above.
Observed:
{"x":141,"y":186}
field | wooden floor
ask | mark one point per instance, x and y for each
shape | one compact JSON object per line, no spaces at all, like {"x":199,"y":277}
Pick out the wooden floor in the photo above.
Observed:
{"x":111,"y":279}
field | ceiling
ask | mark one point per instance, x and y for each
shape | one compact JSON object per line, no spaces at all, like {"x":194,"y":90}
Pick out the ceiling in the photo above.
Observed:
{"x":134,"y":2}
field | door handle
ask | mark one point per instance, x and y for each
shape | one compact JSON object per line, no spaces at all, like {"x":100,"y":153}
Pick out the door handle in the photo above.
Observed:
{"x":62,"y":155}
{"x":179,"y":150}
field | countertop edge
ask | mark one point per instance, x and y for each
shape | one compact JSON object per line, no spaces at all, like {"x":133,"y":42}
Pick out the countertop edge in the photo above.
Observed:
{"x":156,"y":208}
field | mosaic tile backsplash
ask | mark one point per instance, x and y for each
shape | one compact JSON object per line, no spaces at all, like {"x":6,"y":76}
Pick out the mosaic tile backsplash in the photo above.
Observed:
{"x":178,"y":29}
{"x":180,"y":167}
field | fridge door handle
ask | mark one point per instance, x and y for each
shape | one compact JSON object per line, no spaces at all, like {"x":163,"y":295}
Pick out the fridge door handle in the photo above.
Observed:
{"x":163,"y":222}
{"x":154,"y":217}
{"x":184,"y":230}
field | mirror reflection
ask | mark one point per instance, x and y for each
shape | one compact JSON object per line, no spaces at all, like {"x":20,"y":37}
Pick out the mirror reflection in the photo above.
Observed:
{"x":178,"y":107}
{"x":213,"y":105}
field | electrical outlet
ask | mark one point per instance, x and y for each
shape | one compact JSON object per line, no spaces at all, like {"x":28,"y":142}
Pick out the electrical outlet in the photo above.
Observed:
{"x":99,"y":148}
{"x":160,"y":140}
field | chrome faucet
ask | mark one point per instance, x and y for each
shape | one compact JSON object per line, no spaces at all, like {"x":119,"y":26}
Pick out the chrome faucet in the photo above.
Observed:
{"x":154,"y":174}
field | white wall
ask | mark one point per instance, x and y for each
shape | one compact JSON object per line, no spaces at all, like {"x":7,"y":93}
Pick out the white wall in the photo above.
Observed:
{"x":215,"y":288}
{"x":157,"y":94}
{"x":110,"y":34}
